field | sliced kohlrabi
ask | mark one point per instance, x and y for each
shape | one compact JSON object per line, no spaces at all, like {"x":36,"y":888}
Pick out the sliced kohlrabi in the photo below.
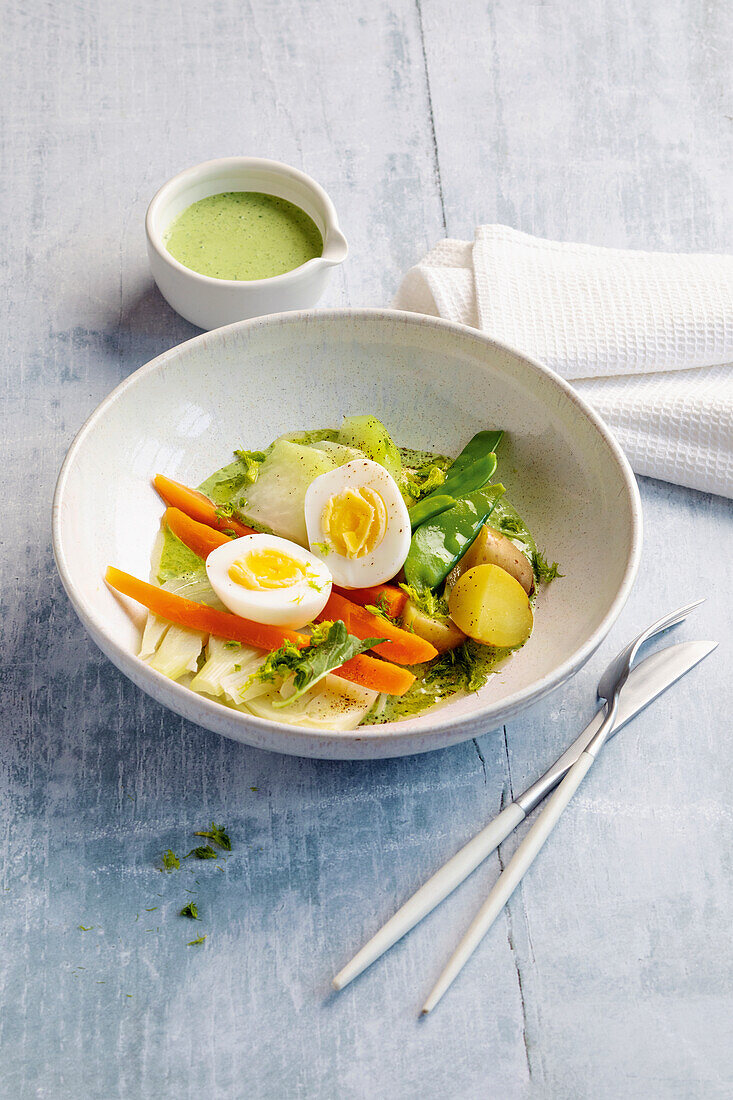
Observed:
{"x":155,"y":628}
{"x":339,"y":452}
{"x":227,"y":669}
{"x":178,"y":652}
{"x":371,"y":437}
{"x":194,"y":587}
{"x":277,"y":498}
{"x":333,"y":704}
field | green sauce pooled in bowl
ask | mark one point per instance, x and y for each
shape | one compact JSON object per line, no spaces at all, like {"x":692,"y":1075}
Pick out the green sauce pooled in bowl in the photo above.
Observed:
{"x":243,"y":235}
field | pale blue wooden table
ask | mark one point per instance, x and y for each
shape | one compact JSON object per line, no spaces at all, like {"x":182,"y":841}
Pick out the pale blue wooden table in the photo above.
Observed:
{"x":609,"y":975}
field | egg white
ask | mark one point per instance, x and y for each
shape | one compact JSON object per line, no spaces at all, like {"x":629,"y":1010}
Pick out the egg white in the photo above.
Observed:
{"x":388,"y":556}
{"x":291,"y":607}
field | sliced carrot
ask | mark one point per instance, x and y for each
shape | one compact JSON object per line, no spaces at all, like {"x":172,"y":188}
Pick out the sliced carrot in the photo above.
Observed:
{"x":197,"y":506}
{"x":378,"y":675}
{"x":401,"y":646}
{"x":391,"y":600}
{"x":197,"y":616}
{"x":362,"y":669}
{"x":198,"y":537}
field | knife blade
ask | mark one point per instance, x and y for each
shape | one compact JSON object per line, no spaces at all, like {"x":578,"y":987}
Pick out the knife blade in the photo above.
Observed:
{"x":646,"y":681}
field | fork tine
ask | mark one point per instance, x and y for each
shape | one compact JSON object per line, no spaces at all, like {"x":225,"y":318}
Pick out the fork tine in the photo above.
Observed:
{"x":613,"y":671}
{"x":675,"y":617}
{"x":665,"y":623}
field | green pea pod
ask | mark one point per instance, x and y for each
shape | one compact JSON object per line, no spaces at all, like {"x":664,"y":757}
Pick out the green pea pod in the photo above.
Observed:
{"x":454,"y":488}
{"x":472,"y":470}
{"x":439,"y":544}
{"x":483,"y":443}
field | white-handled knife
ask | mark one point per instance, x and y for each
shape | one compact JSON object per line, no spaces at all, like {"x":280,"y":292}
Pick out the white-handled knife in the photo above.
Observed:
{"x":646,"y":682}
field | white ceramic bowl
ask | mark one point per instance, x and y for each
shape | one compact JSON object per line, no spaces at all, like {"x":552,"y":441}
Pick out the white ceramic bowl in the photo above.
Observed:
{"x":433,"y":384}
{"x":210,"y":303}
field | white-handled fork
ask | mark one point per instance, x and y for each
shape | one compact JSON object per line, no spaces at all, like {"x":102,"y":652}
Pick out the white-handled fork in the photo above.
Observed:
{"x":645,"y":682}
{"x":609,"y":688}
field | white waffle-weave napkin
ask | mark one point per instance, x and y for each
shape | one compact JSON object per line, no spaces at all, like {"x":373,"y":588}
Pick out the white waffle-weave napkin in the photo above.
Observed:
{"x":645,"y":337}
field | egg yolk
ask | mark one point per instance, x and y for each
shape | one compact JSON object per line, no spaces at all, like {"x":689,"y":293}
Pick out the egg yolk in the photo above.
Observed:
{"x":355,"y":521}
{"x":267,"y":569}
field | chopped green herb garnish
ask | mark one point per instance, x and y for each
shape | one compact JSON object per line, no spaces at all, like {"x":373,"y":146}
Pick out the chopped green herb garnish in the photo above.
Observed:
{"x":229,"y":531}
{"x":254,"y":789}
{"x":378,"y":609}
{"x":190,"y":911}
{"x":171,"y":862}
{"x":458,"y":669}
{"x":418,"y":483}
{"x":510,"y":525}
{"x":205,"y":851}
{"x":251,"y":461}
{"x":218,"y":834}
{"x":232,"y":645}
{"x":427,"y":601}
{"x":151,"y":910}
{"x":237,"y":668}
{"x":198,"y":940}
{"x":321,"y":547}
{"x":224,"y":511}
{"x":543,"y":571}
{"x":83,"y":929}
{"x":331,"y":646}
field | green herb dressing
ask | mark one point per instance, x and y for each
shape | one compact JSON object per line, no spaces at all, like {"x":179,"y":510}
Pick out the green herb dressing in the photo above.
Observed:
{"x":243,"y":235}
{"x":435,"y":685}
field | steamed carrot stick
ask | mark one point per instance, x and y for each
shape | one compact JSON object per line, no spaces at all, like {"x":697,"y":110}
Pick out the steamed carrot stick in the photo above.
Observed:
{"x":362,"y":669}
{"x":378,"y":675}
{"x":196,"y":505}
{"x":392,"y":600}
{"x":198,"y":537}
{"x":401,"y":646}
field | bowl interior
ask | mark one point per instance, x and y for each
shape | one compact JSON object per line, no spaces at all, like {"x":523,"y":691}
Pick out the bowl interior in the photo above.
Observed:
{"x":236,"y":174}
{"x":433,"y":385}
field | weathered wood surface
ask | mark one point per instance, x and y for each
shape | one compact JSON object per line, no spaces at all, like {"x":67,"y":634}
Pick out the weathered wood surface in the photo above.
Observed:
{"x":610,"y":973}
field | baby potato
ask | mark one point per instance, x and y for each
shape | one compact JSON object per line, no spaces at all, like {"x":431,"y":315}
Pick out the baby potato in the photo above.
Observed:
{"x":491,"y":607}
{"x":443,"y":636}
{"x":493,"y":548}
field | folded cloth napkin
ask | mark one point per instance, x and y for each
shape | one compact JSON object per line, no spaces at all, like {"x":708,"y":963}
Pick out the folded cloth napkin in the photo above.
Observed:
{"x":645,"y":337}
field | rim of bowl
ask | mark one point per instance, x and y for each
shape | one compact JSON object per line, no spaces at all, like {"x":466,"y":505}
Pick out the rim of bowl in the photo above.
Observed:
{"x":332,"y":228}
{"x":393,"y":733}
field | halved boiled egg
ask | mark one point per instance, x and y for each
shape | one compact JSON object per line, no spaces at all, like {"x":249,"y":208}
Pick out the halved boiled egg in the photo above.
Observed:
{"x":358,"y":523}
{"x":269,"y":580}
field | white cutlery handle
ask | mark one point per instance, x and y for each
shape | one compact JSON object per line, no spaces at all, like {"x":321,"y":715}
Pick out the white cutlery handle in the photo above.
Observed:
{"x":431,"y":893}
{"x":510,"y":878}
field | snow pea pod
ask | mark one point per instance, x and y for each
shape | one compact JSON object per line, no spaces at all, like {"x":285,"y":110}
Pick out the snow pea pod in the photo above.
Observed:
{"x":440,"y":543}
{"x":483,"y":443}
{"x":471,"y":475}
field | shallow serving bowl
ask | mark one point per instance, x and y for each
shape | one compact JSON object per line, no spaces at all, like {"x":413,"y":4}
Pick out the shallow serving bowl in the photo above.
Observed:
{"x":433,"y":384}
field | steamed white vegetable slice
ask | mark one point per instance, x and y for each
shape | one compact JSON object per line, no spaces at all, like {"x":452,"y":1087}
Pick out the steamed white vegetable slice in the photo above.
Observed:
{"x":333,"y":704}
{"x":196,"y":587}
{"x":237,"y":686}
{"x":276,"y":500}
{"x":178,"y":652}
{"x":227,"y":669}
{"x":339,"y":452}
{"x":153,"y":634}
